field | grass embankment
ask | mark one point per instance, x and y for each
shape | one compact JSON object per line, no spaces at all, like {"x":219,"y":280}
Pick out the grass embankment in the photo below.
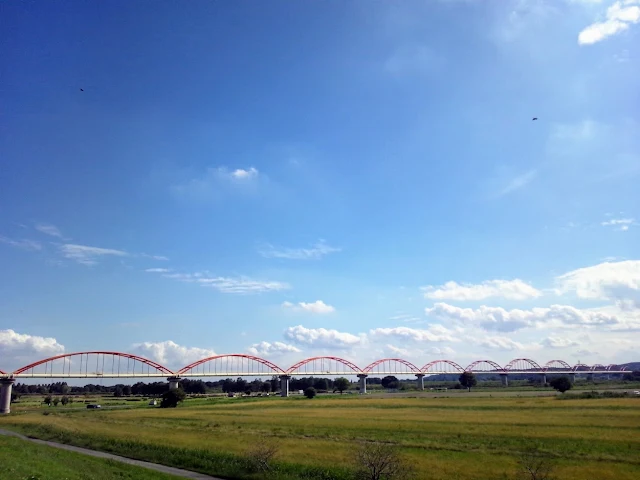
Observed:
{"x":445,"y":438}
{"x":22,"y":460}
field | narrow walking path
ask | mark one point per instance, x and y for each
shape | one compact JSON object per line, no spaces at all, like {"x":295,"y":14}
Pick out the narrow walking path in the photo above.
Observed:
{"x":178,"y":472}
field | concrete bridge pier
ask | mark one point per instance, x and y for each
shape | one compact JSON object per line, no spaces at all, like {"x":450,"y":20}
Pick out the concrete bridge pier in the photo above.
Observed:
{"x":590,"y":377}
{"x":284,"y":385}
{"x":420,"y":377}
{"x":363,"y":383}
{"x":6,"y":385}
{"x":572,"y":378}
{"x":174,"y":382}
{"x":505,"y":379}
{"x":543,"y":379}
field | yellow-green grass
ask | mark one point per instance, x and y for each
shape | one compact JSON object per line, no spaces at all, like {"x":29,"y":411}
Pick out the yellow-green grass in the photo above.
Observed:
{"x":444,"y":438}
{"x":20,"y":459}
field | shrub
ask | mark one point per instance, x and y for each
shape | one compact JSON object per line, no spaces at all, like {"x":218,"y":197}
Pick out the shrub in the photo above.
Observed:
{"x":310,"y":392}
{"x":561,"y":384}
{"x":381,"y":461}
{"x":171,"y":398}
{"x":260,"y":455}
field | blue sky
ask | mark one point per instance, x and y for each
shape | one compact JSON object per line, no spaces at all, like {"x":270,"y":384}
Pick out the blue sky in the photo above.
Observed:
{"x":301,"y":178}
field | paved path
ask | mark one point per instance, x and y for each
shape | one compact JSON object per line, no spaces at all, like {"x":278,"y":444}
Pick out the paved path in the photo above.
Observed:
{"x":178,"y":472}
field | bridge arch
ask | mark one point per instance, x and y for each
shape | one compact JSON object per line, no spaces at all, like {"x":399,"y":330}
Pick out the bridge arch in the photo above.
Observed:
{"x":442,"y":366}
{"x":580,"y":367}
{"x":231,"y":365}
{"x":597,"y":366}
{"x":522,"y":364}
{"x":81,"y":365}
{"x":2,"y":372}
{"x":484,"y":366}
{"x":556,"y":364}
{"x":396,"y":366}
{"x":324,"y":366}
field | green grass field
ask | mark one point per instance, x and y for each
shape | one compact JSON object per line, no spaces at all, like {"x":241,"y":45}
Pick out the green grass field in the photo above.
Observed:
{"x":459,"y":437}
{"x":22,"y":460}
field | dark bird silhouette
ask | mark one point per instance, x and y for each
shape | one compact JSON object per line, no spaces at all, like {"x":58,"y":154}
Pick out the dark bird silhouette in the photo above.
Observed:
{"x":82,"y":89}
{"x":535,"y":118}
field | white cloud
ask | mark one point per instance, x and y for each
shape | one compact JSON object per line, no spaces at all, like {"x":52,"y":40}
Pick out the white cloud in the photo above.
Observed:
{"x":266,"y":349}
{"x":622,"y":224}
{"x":517,"y":183}
{"x":215,"y":182}
{"x":608,"y":280}
{"x":401,"y":352}
{"x":48,"y":229}
{"x":434,"y":333}
{"x":241,"y":174}
{"x":170,"y":354}
{"x":239,"y":285}
{"x":322,"y":337}
{"x":318,"y":307}
{"x":23,"y":244}
{"x":509,"y":289}
{"x":242,"y":285}
{"x":499,"y":319}
{"x":22,"y":346}
{"x":155,"y":257}
{"x":559,"y":342}
{"x":158,"y":270}
{"x":619,"y":17}
{"x":504,"y":343}
{"x":314,"y":252}
{"x":88,"y":255}
{"x":440,"y":350}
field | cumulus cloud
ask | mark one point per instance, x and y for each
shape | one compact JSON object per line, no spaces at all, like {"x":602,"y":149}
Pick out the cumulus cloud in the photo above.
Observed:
{"x":313,"y":252}
{"x":21,"y":346}
{"x":87,"y":255}
{"x":322,"y":338}
{"x":605,"y":281}
{"x":559,"y":342}
{"x":318,"y":307}
{"x":158,"y":270}
{"x":23,"y":244}
{"x":237,"y":285}
{"x":266,"y":349}
{"x":509,"y":289}
{"x":170,"y":354}
{"x":242,"y":174}
{"x":49,"y":229}
{"x":435,"y":333}
{"x":619,"y":17}
{"x":499,"y":319}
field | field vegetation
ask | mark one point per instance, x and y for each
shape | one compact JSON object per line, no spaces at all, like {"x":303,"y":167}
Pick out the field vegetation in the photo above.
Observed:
{"x":458,"y":436}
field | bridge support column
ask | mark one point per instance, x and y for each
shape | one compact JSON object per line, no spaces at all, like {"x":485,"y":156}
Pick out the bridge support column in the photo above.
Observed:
{"x":505,"y":379}
{"x":173,"y":382}
{"x":543,"y":379}
{"x":284,"y":385}
{"x":420,"y":377}
{"x":6,"y":385}
{"x":590,"y":377}
{"x":572,"y":378}
{"x":363,"y":383}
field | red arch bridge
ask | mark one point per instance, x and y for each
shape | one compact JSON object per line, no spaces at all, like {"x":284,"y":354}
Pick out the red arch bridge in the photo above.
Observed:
{"x":104,"y":364}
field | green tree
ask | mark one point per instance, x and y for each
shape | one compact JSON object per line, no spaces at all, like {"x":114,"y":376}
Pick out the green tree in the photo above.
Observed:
{"x":56,"y":401}
{"x":126,"y":390}
{"x":118,"y":391}
{"x":310,"y":392}
{"x":341,"y":384}
{"x":172,"y":398}
{"x":561,"y":384}
{"x":321,"y":384}
{"x":390,"y":382}
{"x":15,"y":396}
{"x":265,"y":387}
{"x":47,"y":400}
{"x":64,"y":400}
{"x":468,"y":380}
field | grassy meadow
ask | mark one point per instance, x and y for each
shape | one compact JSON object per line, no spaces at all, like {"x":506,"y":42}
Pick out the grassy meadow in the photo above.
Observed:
{"x":456,"y":437}
{"x":22,"y":460}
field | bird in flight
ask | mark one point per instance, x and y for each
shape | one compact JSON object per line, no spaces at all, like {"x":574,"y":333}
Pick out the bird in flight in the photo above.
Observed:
{"x":535,"y":118}
{"x":82,"y":89}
